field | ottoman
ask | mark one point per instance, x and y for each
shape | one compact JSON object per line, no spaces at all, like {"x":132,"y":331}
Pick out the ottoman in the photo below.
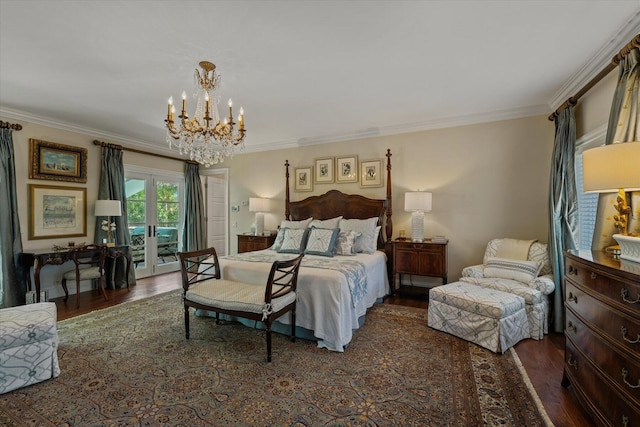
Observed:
{"x":493,"y":319}
{"x":28,"y":345}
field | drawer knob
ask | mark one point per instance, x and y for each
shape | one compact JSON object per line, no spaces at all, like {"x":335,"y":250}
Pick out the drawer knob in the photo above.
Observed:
{"x":572,"y":270}
{"x":572,"y":362}
{"x":594,"y":276}
{"x":624,"y":336}
{"x":572,"y":327}
{"x":625,"y":293}
{"x":572,"y":297}
{"x":625,"y":421}
{"x":625,"y":375}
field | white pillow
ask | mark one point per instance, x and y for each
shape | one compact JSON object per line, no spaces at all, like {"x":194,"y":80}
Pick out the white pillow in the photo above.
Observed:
{"x":321,"y":241}
{"x":367,"y":241}
{"x":277,"y":243}
{"x":293,"y":241}
{"x":503,"y":268}
{"x":326,"y":223}
{"x":346,"y":243}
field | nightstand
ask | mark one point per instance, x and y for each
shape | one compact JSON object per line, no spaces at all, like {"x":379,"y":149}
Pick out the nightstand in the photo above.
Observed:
{"x":250,"y":242}
{"x":420,"y":259}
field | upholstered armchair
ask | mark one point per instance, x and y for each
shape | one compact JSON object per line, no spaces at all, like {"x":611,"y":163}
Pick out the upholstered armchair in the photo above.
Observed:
{"x":530,"y":278}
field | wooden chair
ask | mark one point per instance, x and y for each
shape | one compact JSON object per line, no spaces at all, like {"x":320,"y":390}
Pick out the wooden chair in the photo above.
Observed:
{"x":204,"y":289}
{"x":89,"y":263}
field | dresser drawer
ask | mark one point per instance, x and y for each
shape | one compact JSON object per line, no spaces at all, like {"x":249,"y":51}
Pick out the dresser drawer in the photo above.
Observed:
{"x":621,"y":328}
{"x":619,"y":368}
{"x":617,"y":291}
{"x":609,"y":407}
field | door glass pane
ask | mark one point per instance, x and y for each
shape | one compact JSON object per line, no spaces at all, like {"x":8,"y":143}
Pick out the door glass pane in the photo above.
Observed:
{"x":168,"y":211}
{"x":136,"y":215}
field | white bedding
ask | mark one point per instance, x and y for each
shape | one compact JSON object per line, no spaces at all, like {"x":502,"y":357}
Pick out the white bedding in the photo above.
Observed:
{"x":324,"y":299}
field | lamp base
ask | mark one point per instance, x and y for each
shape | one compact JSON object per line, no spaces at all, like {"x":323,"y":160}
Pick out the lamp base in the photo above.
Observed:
{"x":417,"y":227}
{"x":259,"y":223}
{"x":629,"y":247}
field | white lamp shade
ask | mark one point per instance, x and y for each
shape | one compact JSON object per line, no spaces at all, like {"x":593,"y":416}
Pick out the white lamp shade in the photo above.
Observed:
{"x":257,"y":204}
{"x":612,"y":167}
{"x":108,"y":208}
{"x":417,"y":201}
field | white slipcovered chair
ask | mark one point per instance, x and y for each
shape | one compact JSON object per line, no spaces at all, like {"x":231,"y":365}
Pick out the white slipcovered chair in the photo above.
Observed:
{"x":532,"y":279}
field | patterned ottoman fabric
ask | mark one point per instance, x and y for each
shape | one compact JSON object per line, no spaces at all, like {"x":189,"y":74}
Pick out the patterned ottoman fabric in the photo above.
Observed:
{"x":490,"y":318}
{"x":28,"y":345}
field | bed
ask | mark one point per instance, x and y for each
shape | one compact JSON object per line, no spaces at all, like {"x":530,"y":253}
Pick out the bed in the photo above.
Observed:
{"x":334,"y":292}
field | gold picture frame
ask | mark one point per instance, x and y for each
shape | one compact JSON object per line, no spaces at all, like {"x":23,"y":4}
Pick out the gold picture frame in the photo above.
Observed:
{"x":303,"y":178}
{"x":371,"y":173}
{"x":324,"y":171}
{"x":57,"y":211}
{"x":347,"y":169}
{"x":57,"y":162}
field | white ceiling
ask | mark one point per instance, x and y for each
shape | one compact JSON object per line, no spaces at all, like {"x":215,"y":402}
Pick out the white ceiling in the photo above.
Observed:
{"x":305,"y":71}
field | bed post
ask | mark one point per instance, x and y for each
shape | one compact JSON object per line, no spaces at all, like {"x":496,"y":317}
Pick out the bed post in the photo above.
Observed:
{"x":287,"y":213}
{"x":389,"y":222}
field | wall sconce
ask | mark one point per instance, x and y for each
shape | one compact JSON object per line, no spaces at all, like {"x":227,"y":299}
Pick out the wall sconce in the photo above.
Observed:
{"x":259,"y":205}
{"x":417,"y":202}
{"x":108,"y":208}
{"x":616,"y":168}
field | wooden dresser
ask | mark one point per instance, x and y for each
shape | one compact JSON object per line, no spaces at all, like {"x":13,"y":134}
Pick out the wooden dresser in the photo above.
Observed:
{"x":602,"y":336}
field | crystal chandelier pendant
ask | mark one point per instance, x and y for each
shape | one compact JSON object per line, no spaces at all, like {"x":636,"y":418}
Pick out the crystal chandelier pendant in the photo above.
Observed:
{"x":206,"y":138}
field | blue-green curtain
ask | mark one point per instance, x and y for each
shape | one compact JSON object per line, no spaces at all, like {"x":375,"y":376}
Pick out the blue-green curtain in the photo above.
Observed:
{"x":12,"y":283}
{"x":623,"y":126}
{"x":563,"y":207}
{"x":112,"y":187}
{"x":194,"y":234}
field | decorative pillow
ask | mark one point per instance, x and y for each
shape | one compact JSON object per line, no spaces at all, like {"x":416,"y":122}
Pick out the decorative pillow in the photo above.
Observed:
{"x":346,"y":243}
{"x":327,"y":223}
{"x":367,"y":240}
{"x":321,"y":241}
{"x":293,"y":240}
{"x":277,"y":243}
{"x":503,"y":268}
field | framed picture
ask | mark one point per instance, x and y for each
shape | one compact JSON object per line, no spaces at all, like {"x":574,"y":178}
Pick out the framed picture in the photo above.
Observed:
{"x":303,"y":177}
{"x":57,"y":162}
{"x":324,"y":170}
{"x":56,"y":211}
{"x":347,"y":169}
{"x":371,"y":173}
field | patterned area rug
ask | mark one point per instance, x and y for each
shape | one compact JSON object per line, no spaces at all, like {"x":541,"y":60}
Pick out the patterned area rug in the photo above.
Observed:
{"x":130,"y":365}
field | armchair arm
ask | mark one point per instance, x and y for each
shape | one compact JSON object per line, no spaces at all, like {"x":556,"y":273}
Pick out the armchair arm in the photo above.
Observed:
{"x":476,"y":271}
{"x":544,"y":284}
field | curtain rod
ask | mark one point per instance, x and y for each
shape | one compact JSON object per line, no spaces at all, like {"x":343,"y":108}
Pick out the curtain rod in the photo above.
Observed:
{"x":573,"y":100}
{"x":7,"y":125}
{"x":135,"y":150}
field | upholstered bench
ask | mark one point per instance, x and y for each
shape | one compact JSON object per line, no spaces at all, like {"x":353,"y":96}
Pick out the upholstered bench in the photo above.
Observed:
{"x":493,"y":319}
{"x":28,"y":345}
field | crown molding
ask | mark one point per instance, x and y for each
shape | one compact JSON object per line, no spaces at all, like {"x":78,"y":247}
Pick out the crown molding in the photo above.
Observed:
{"x":598,"y":62}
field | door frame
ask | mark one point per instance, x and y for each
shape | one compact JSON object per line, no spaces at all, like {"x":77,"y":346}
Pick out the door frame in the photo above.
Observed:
{"x":224,"y":172}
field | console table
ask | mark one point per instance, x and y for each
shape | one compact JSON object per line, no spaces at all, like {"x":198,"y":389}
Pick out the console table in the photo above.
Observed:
{"x":40,"y":258}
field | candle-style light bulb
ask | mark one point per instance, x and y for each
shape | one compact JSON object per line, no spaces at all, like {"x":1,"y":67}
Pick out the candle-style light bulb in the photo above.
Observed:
{"x":230,"y":111}
{"x":184,"y":102}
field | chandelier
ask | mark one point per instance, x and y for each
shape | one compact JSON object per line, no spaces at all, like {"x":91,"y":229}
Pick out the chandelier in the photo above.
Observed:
{"x":205,"y":138}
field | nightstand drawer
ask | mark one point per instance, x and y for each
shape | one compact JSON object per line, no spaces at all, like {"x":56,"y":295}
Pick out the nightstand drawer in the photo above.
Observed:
{"x":250,"y":242}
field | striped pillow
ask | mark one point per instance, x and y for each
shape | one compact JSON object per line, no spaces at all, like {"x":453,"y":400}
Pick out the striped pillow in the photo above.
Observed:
{"x":503,"y":268}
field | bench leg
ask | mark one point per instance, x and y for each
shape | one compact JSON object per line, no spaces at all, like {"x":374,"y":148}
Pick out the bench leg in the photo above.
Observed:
{"x":186,"y":321}
{"x":268,"y":323}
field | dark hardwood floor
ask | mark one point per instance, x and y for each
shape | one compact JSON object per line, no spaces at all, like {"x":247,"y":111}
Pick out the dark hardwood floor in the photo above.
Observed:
{"x":543,"y":359}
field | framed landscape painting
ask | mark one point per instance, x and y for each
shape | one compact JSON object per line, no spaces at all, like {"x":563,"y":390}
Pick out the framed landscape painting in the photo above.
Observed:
{"x":57,"y":162}
{"x":56,"y":211}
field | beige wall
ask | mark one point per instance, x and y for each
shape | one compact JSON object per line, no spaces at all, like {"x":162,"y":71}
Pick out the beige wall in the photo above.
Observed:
{"x":592,"y":110}
{"x":488,"y":180}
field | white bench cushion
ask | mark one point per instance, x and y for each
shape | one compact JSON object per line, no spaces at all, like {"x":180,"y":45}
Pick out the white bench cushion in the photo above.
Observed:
{"x":475,"y":299}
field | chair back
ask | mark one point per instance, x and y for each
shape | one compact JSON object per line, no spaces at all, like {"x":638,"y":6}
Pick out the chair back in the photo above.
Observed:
{"x":198,"y":266}
{"x":283,"y":278}
{"x":90,"y":255}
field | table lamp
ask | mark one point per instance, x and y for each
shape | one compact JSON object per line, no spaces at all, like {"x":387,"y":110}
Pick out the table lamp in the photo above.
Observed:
{"x":417,"y":202}
{"x":259,"y":205}
{"x":108,"y":208}
{"x":616,"y":168}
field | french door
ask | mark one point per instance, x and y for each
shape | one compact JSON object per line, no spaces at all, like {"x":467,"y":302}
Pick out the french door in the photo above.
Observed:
{"x":155,"y":213}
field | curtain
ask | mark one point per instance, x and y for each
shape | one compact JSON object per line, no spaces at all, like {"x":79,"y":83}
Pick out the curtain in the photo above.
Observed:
{"x":194,"y":234}
{"x":623,"y":126}
{"x":111,"y":187}
{"x":563,"y":207}
{"x":12,"y":283}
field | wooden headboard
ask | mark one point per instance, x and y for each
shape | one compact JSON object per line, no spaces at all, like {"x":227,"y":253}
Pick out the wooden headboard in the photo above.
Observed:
{"x":334,"y":203}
